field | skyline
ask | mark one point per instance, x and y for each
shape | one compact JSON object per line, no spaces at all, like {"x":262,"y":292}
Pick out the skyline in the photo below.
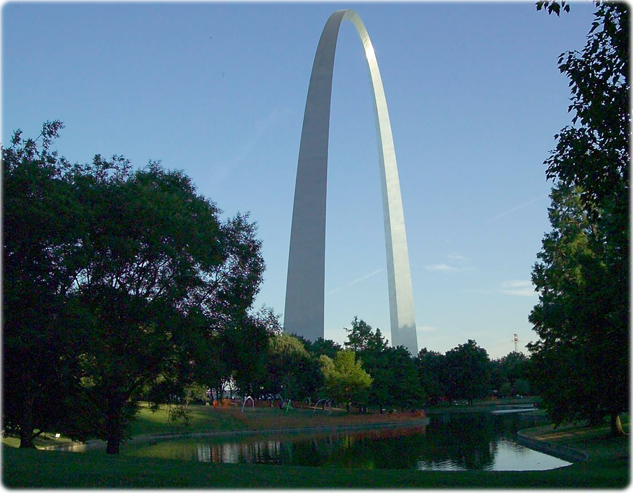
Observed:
{"x":218,"y":90}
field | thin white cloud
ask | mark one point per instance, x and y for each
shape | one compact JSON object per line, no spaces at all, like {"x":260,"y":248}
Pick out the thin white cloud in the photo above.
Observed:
{"x":478,"y":291}
{"x":518,"y":288}
{"x":520,"y":206}
{"x":355,"y":281}
{"x":258,"y":132}
{"x":457,"y":257}
{"x":261,"y":127}
{"x":360,"y":279}
{"x":441,"y":268}
{"x":516,"y":284}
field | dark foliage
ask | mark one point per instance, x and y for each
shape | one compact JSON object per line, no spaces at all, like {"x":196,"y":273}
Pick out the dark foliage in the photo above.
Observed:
{"x":580,"y":364}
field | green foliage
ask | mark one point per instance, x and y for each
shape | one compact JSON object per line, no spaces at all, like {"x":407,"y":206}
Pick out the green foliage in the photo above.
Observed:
{"x":39,"y":343}
{"x":393,"y":371}
{"x":290,"y":370}
{"x":521,"y":387}
{"x":326,"y":364}
{"x":345,"y":379}
{"x":322,"y":346}
{"x":431,"y":374}
{"x":249,"y":349}
{"x":403,"y":387}
{"x":552,"y":6}
{"x":118,"y":283}
{"x":508,"y":375}
{"x":580,"y":363}
{"x":467,"y":372}
{"x":362,"y":338}
{"x":158,"y":271}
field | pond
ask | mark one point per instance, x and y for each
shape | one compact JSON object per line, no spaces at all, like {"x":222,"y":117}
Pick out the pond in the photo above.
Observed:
{"x":449,"y":442}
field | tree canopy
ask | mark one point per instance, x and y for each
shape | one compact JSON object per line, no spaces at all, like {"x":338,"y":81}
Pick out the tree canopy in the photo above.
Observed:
{"x":345,"y":379}
{"x":580,"y":363}
{"x":38,"y":229}
{"x":291,"y":370}
{"x":468,"y":372}
{"x":125,"y":279}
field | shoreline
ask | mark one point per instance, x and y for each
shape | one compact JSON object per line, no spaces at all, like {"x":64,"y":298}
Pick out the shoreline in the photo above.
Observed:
{"x":534,"y":442}
{"x":149,"y":437}
{"x":534,"y":438}
{"x":550,"y":448}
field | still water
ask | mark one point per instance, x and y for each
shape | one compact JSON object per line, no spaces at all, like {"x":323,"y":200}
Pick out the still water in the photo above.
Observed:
{"x":449,"y":442}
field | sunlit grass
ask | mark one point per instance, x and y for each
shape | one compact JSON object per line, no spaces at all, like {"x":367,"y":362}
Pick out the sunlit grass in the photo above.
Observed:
{"x":201,"y":418}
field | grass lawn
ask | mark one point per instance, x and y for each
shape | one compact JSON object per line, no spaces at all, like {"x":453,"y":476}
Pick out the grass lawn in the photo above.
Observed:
{"x":482,"y":405}
{"x":608,"y":466}
{"x":205,"y":419}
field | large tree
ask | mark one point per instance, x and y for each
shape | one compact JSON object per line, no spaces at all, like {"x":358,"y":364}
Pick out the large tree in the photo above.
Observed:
{"x":160,"y":272}
{"x":362,"y":338}
{"x":467,"y":372}
{"x":345,"y":379}
{"x":39,"y":230}
{"x":290,"y":369}
{"x":431,"y":374}
{"x":583,"y":272}
{"x":508,"y":374}
{"x":579,"y":365}
{"x":401,"y":381}
{"x":147,"y":275}
{"x":393,"y":371}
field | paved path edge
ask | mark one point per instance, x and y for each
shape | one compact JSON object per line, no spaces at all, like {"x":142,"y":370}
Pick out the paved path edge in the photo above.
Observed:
{"x":560,"y":451}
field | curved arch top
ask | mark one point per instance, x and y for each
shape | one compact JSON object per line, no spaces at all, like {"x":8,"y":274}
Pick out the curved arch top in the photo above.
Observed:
{"x":305,"y":288}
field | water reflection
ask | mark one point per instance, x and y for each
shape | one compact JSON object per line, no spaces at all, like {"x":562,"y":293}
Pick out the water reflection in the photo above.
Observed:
{"x":467,"y":442}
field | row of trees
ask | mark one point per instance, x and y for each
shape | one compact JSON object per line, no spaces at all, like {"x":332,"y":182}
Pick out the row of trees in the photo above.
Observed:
{"x":367,"y":371}
{"x":117,"y":284}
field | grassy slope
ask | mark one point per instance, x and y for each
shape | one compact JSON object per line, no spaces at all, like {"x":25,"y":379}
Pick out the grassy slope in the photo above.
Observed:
{"x":608,"y":466}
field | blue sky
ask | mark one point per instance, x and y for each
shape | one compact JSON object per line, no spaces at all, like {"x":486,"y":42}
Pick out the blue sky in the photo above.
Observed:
{"x":218,"y":90}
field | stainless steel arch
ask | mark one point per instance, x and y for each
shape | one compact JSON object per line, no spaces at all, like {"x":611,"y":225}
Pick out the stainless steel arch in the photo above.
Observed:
{"x":304,"y":312}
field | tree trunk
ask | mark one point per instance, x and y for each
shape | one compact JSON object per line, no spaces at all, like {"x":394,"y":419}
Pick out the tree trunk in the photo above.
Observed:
{"x":115,"y":424}
{"x":113,"y":446}
{"x":27,"y":426}
{"x":616,"y":425}
{"x":26,"y":438}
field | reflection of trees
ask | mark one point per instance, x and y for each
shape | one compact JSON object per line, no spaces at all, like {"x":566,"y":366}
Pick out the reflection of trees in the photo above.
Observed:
{"x":372,"y":449}
{"x":465,"y":442}
{"x":455,"y":442}
{"x":508,"y":426}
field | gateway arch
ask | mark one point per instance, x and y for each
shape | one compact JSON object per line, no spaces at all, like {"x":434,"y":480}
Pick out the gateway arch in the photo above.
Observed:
{"x":305,"y":288}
